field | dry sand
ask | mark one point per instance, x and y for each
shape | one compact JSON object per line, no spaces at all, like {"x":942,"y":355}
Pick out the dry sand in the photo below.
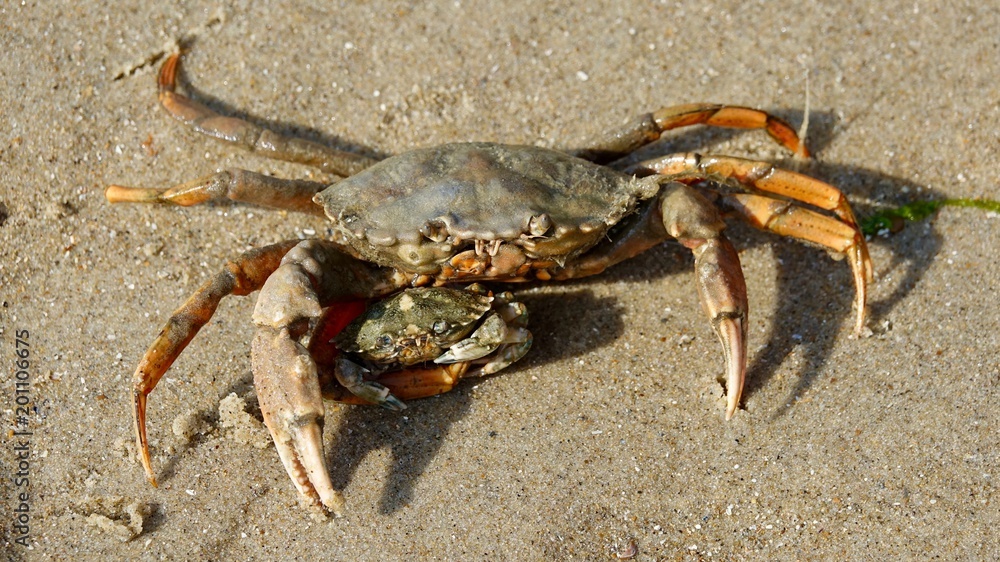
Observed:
{"x":611,"y":432}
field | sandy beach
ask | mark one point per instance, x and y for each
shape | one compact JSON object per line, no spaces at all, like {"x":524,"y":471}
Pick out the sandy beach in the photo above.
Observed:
{"x":609,"y":439}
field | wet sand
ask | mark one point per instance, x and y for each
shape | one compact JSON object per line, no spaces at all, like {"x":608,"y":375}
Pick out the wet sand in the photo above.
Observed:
{"x":611,"y":433}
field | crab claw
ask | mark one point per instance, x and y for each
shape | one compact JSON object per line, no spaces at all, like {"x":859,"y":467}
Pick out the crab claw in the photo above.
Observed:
{"x":286,"y":377}
{"x":290,"y":400}
{"x":485,"y":340}
{"x":353,"y":377}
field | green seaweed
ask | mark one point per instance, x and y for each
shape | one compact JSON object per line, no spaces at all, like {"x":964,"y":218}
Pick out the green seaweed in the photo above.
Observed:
{"x":894,"y":219}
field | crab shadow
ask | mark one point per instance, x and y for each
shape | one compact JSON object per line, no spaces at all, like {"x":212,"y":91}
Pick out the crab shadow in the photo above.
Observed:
{"x":413,"y":437}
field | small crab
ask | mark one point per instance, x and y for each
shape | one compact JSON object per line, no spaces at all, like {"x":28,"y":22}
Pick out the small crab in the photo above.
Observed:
{"x":430,"y":324}
{"x":469,"y":212}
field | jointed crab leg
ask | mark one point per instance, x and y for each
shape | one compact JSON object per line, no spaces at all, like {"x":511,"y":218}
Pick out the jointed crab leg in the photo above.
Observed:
{"x":685,"y":215}
{"x":694,"y":222}
{"x":240,"y":276}
{"x":762,"y":176}
{"x":235,"y":185}
{"x":786,"y":219}
{"x":650,"y":126}
{"x":250,"y":136}
{"x":781,"y":216}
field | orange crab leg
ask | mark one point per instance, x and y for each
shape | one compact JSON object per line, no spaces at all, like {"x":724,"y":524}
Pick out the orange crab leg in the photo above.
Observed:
{"x":787,"y":219}
{"x":686,"y":215}
{"x":235,"y":185}
{"x":715,"y":115}
{"x":695,"y":222}
{"x":648,"y":128}
{"x":763,"y":176}
{"x":249,"y":136}
{"x":240,"y":276}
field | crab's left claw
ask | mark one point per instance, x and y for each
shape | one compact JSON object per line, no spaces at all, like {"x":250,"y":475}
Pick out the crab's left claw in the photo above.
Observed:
{"x":313,"y":274}
{"x":354,"y":378}
{"x":290,"y":400}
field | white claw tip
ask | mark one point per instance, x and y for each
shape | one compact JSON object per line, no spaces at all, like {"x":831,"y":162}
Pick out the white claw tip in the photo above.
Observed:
{"x":732,"y":404}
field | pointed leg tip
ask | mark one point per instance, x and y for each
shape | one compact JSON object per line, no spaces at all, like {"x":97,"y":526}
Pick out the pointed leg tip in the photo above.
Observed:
{"x":393,"y":403}
{"x":124,"y":194}
{"x":148,"y":469}
{"x":167,"y":79}
{"x":861,"y":329}
{"x":147,"y":466}
{"x":732,"y":403}
{"x":731,"y":332}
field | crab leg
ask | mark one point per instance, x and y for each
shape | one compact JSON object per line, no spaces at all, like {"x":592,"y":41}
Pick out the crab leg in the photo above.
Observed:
{"x":694,"y":222}
{"x":650,"y":126}
{"x":405,"y":384}
{"x":249,"y":136}
{"x":235,"y":185}
{"x":288,"y":312}
{"x":685,"y":215}
{"x":786,"y":219}
{"x":762,"y":176}
{"x":779,"y":216}
{"x":240,"y":276}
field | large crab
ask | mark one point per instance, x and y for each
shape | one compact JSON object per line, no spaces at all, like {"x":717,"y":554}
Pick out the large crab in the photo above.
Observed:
{"x":470,"y":212}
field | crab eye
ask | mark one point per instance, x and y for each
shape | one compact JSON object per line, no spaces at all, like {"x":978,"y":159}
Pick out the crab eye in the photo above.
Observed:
{"x":440,"y":327}
{"x":384,"y":341}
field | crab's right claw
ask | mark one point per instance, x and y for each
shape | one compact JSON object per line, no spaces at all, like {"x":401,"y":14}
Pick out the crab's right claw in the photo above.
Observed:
{"x":288,"y":389}
{"x":485,"y":340}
